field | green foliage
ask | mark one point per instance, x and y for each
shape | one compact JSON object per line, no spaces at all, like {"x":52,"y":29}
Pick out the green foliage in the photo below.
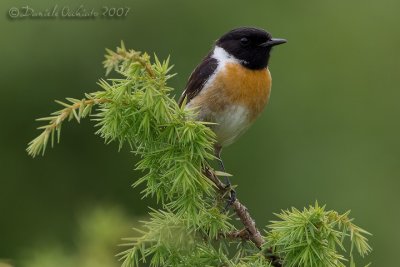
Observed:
{"x":190,"y":228}
{"x":74,"y":109}
{"x":171,"y":243}
{"x":313,"y":236}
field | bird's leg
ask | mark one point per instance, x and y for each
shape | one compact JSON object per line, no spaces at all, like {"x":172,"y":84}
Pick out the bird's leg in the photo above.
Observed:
{"x":232,"y":193}
{"x":221,"y":164}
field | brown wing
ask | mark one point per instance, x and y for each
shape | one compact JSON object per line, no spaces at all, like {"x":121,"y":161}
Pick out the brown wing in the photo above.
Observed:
{"x":198,"y":78}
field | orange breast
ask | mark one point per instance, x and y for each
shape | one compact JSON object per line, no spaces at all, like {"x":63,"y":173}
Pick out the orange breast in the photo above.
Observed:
{"x":250,"y":88}
{"x":236,"y":85}
{"x":233,"y":99}
{"x":239,"y":85}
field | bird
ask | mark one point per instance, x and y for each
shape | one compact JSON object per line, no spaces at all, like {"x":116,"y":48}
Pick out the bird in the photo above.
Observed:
{"x":231,"y":86}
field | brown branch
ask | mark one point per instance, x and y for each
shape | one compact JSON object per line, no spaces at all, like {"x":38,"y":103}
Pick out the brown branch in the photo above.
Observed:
{"x":239,"y":234}
{"x":253,"y":234}
{"x":249,"y":223}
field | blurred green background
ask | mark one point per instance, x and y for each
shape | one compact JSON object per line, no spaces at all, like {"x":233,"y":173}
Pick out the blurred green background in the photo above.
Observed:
{"x":330,"y":133}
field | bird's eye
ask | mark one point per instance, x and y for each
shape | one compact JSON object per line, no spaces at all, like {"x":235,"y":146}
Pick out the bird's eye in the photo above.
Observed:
{"x":244,"y":41}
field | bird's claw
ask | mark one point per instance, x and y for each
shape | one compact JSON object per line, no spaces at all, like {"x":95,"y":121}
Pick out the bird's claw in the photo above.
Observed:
{"x":232,"y":197}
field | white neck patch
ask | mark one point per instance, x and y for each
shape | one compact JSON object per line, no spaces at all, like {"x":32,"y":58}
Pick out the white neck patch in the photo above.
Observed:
{"x":223,"y":57}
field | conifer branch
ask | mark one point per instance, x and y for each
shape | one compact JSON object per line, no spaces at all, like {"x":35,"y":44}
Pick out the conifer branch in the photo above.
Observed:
{"x":75,"y":109}
{"x":240,"y":210}
{"x":238,"y":234}
{"x":122,"y":58}
{"x":189,"y":229}
{"x":250,"y":232}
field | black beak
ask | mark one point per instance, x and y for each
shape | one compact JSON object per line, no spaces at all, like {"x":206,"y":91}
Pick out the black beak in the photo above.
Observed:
{"x":273,"y":42}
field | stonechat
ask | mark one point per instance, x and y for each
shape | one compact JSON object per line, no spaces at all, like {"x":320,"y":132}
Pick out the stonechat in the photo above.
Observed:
{"x":232,"y":84}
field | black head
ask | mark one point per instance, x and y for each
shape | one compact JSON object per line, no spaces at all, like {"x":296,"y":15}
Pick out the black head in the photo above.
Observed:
{"x":251,"y":46}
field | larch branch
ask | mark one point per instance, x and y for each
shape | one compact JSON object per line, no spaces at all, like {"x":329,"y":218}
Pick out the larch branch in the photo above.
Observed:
{"x":253,"y":234}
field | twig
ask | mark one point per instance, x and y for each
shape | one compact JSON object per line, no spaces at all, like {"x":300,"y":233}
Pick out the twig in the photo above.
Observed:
{"x":39,"y":143}
{"x":253,"y":234}
{"x":249,"y":223}
{"x":132,"y":55}
{"x":65,"y":113}
{"x":114,"y":59}
{"x":242,"y":234}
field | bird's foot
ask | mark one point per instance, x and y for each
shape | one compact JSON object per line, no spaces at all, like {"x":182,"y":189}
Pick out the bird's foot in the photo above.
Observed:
{"x":231,"y":198}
